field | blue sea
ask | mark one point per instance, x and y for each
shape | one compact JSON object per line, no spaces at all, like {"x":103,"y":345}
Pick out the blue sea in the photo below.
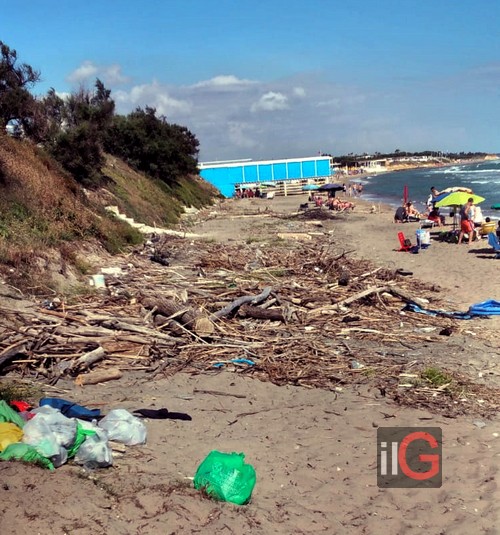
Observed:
{"x":482,"y":178}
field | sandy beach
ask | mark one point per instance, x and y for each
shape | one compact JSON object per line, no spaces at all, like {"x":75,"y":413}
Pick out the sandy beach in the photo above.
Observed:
{"x":314,"y":450}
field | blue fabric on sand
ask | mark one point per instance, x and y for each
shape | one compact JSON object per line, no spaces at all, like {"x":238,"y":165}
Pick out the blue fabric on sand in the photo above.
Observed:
{"x":413,"y":307}
{"x":70,"y":409}
{"x":486,"y":308}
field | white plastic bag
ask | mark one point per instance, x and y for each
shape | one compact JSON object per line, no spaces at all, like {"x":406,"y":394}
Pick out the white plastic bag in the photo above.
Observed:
{"x":95,"y":451}
{"x":124,"y":427}
{"x":40,"y":434}
{"x":51,"y":433}
{"x":37,"y":433}
{"x":63,"y":428}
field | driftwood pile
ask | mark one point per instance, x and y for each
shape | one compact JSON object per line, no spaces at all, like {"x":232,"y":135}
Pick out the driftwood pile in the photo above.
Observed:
{"x":295,"y":313}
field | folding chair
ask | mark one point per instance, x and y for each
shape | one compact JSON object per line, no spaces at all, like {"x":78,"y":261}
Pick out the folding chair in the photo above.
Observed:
{"x":404,"y":243}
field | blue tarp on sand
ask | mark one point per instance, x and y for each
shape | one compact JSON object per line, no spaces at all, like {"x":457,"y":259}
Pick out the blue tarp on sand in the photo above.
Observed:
{"x":486,"y":308}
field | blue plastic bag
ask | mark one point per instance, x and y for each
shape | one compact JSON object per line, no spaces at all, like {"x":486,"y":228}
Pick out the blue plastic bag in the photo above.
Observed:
{"x":70,"y":409}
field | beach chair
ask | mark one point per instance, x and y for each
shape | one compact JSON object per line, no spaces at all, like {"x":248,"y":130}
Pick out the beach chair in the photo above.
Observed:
{"x":404,"y":243}
{"x":427,"y":223}
{"x":493,"y":241}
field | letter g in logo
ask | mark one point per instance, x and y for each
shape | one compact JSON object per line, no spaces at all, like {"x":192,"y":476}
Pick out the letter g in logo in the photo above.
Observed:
{"x":433,"y":458}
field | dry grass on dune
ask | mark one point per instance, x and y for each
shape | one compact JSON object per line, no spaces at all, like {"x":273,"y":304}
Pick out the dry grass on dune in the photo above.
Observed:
{"x":42,"y":212}
{"x":35,"y":188}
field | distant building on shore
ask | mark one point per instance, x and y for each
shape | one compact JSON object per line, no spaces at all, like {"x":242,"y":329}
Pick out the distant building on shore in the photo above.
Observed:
{"x":228,"y":175}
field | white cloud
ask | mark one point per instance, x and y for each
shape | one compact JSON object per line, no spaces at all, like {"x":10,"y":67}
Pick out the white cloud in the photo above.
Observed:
{"x":88,"y":71}
{"x":153,"y":95}
{"x":344,"y":101}
{"x":271,"y":101}
{"x":64,"y":95}
{"x":113,"y":75}
{"x":333,"y":103}
{"x":234,"y":117}
{"x":239,"y":137}
{"x":299,"y":92}
{"x":224,"y":81}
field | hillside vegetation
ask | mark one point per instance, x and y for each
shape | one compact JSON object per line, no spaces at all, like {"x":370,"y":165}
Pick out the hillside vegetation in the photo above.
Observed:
{"x":152,"y":201}
{"x":49,"y":222}
{"x":65,"y":159}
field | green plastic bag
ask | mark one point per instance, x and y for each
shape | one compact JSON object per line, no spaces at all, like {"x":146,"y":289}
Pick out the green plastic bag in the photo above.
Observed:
{"x":8,"y":414}
{"x":226,"y":477}
{"x":81,"y":436}
{"x":26,"y":453}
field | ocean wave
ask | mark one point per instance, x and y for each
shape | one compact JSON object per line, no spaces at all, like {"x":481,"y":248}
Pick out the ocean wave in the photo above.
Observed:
{"x":469,"y":171}
{"x":490,"y":182}
{"x":483,"y":179}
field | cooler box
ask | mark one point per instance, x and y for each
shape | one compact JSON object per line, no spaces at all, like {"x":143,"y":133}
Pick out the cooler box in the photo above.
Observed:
{"x":423,"y":238}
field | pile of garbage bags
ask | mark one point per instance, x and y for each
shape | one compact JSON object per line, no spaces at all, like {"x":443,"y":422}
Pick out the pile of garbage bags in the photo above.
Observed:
{"x":59,"y":430}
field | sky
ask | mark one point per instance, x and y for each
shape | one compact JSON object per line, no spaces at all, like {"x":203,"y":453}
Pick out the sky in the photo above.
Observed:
{"x":280,"y":78}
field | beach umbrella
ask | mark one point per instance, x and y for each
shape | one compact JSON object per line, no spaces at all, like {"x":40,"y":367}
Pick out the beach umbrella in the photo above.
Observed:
{"x":310,"y":187}
{"x":440,"y":197}
{"x":457,"y":198}
{"x":456,"y":188}
{"x":331,"y":187}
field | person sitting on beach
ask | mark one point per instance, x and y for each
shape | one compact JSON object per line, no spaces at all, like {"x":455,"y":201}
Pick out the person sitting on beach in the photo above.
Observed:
{"x":411,"y":213}
{"x":347,"y":205}
{"x":466,"y":223}
{"x":401,"y":216}
{"x":435,"y":216}
{"x":487,"y":226}
{"x":318,"y":200}
{"x":340,"y":206}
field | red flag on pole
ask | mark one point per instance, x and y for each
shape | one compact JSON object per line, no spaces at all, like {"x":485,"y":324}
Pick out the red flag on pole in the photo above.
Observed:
{"x":405,"y":194}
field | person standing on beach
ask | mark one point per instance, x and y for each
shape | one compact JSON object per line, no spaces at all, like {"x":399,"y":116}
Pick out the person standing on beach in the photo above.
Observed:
{"x":431,"y":200}
{"x":466,"y":222}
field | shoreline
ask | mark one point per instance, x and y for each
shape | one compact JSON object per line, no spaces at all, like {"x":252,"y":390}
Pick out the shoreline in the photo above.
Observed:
{"x":412,"y":167}
{"x":420,"y":200}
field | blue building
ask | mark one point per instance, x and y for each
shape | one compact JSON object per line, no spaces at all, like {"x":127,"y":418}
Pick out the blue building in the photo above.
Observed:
{"x":225,"y":175}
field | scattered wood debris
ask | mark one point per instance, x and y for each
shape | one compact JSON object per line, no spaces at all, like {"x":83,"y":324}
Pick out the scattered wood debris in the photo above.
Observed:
{"x":299,"y":312}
